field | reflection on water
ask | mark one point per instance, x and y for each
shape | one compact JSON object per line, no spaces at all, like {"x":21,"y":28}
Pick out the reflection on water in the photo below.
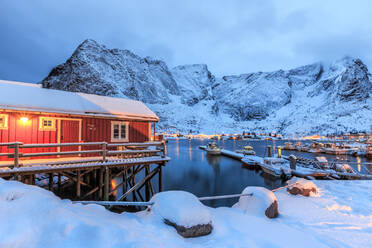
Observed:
{"x":177,"y":149}
{"x":190,"y":169}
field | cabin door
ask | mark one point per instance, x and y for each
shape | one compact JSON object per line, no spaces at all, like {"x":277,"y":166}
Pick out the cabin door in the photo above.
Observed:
{"x":70,"y":133}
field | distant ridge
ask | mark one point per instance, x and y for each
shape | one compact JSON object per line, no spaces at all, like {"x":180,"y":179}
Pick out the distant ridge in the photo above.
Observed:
{"x":311,"y":99}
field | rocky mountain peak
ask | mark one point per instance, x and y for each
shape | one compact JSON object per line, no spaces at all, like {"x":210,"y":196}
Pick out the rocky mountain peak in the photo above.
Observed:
{"x":315,"y":98}
{"x":95,"y":69}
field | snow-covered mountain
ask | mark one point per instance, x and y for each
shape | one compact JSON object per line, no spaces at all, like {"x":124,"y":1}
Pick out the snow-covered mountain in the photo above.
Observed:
{"x":316,"y":98}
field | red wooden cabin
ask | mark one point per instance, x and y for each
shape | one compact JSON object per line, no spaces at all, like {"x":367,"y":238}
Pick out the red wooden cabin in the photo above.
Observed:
{"x":34,"y":115}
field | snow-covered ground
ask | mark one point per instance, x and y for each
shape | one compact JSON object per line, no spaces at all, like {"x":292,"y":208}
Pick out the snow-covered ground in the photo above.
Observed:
{"x":340,"y":215}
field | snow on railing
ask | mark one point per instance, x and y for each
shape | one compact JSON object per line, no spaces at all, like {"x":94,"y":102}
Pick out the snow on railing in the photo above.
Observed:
{"x":122,"y":149}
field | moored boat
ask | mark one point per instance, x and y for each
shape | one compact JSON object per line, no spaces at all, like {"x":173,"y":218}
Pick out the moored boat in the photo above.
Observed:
{"x":322,"y":162}
{"x":213,"y":149}
{"x":276,"y":167}
{"x":247,"y":150}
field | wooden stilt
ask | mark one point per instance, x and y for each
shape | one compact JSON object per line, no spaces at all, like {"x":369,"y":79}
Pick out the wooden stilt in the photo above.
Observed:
{"x":147,"y":189}
{"x":160,"y":178}
{"x":78,"y":184}
{"x":106,"y":184}
{"x":100,"y":191}
{"x":59,"y":183}
{"x":133,"y":183}
{"x":51,"y":182}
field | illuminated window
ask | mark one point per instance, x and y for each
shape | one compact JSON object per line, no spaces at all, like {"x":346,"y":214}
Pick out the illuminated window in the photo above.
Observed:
{"x":47,"y":124}
{"x":3,"y":121}
{"x":119,"y":131}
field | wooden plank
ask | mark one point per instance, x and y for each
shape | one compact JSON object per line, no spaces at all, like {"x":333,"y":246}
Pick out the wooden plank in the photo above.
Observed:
{"x":78,"y":184}
{"x":132,"y":152}
{"x":59,"y":144}
{"x":44,"y":154}
{"x":75,"y":166}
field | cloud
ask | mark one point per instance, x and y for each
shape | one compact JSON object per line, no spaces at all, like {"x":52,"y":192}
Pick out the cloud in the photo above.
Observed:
{"x":232,"y":37}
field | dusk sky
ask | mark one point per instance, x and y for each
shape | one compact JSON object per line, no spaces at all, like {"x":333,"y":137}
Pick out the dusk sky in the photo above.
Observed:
{"x":231,"y":37}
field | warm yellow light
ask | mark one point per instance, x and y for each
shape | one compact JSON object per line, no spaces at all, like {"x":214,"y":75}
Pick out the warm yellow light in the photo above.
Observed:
{"x":24,"y":119}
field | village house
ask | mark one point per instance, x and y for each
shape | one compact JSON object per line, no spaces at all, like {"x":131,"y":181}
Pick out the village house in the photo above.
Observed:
{"x":34,"y":115}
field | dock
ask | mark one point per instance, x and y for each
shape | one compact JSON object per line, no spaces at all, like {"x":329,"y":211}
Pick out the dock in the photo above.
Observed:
{"x":227,"y":153}
{"x":304,"y":172}
{"x":90,"y":169}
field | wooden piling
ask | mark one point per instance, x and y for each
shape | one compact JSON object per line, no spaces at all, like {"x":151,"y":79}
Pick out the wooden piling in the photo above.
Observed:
{"x":100,"y":184}
{"x":78,"y":192}
{"x":51,"y":182}
{"x":147,"y":186}
{"x":59,"y":182}
{"x":160,"y":178}
{"x":292,"y":162}
{"x":106,"y":184}
{"x":269,"y":151}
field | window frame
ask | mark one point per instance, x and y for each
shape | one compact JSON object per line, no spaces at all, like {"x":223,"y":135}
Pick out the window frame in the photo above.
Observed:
{"x":6,"y":120}
{"x":120,"y":123}
{"x":43,"y":128}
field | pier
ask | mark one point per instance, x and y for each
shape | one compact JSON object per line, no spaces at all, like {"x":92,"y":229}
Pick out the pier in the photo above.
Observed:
{"x":90,"y":168}
{"x":311,"y":170}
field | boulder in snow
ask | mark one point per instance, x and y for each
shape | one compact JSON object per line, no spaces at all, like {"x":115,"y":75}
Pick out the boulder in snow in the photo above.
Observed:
{"x":184,"y":212}
{"x":303,"y":187}
{"x":260,"y":201}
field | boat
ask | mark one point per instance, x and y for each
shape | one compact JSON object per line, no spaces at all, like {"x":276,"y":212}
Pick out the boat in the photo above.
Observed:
{"x":213,"y":149}
{"x":322,"y":162}
{"x":247,"y":150}
{"x":276,"y":167}
{"x":252,"y":160}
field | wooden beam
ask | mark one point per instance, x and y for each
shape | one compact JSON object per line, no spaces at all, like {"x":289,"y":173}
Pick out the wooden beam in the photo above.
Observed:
{"x":139,"y":184}
{"x":78,"y":184}
{"x":100,"y":184}
{"x":106,"y":184}
{"x":91,"y":192}
{"x":160,"y":179}
{"x":51,"y":182}
{"x":147,"y":190}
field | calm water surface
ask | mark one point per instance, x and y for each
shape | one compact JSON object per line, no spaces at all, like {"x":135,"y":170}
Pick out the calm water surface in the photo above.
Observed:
{"x":190,"y":169}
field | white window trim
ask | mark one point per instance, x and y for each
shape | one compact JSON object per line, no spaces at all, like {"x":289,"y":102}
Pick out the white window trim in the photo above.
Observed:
{"x":5,"y":127}
{"x":126,"y":131}
{"x":42,"y":128}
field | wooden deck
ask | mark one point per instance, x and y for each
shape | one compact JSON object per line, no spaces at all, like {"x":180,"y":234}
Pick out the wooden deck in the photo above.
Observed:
{"x":91,"y":177}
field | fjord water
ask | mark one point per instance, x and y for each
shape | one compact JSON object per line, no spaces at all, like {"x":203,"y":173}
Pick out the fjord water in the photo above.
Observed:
{"x":190,"y":169}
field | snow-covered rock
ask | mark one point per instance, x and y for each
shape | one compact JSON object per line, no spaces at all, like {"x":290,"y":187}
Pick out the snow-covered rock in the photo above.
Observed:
{"x":195,"y":83}
{"x":184,"y":212}
{"x":260,"y":201}
{"x":311,"y":99}
{"x":302,"y":186}
{"x":95,"y":69}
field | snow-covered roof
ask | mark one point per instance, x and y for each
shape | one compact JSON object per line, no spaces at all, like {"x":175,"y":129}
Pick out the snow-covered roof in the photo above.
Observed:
{"x":32,"y":97}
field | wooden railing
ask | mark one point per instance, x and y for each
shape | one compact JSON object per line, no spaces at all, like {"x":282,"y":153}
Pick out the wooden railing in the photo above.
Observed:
{"x":121,"y":150}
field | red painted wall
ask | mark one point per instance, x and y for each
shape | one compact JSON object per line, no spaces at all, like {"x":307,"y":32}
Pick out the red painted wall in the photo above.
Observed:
{"x":27,"y":133}
{"x":93,"y":130}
